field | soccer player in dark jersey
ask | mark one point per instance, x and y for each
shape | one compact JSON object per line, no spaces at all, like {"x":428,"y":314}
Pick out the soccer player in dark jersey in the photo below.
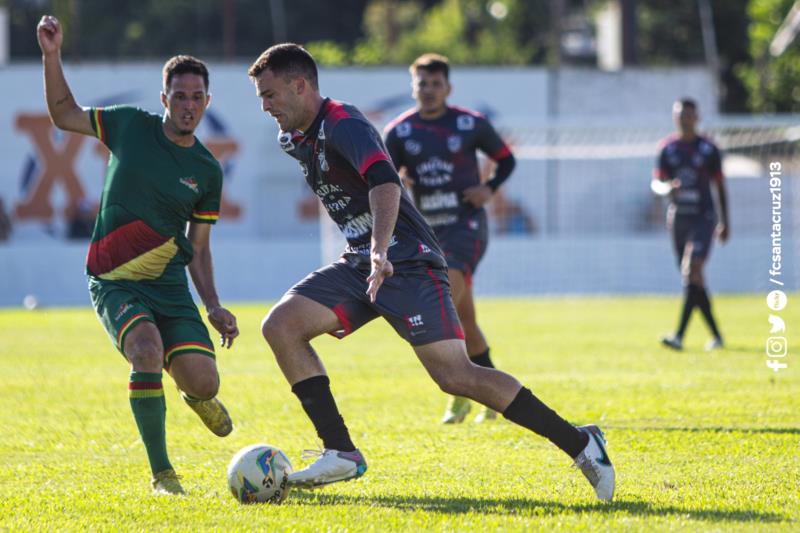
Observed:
{"x":392,"y":267}
{"x":436,"y":144}
{"x":159,"y":179}
{"x":688,"y":165}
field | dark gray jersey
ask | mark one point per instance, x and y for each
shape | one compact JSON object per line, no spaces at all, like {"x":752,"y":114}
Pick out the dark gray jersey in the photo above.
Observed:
{"x":335,"y":154}
{"x":696,"y":164}
{"x":440,"y":158}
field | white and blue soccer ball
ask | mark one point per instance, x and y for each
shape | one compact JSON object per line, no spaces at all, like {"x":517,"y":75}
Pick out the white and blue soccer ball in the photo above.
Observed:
{"x":259,"y":473}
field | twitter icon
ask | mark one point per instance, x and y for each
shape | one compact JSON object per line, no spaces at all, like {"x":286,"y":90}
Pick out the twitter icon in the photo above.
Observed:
{"x":777,"y":324}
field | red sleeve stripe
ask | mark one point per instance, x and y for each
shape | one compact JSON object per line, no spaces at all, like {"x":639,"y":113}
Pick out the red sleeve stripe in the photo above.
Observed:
{"x":371,"y":160}
{"x":659,"y":173}
{"x":718,"y":176}
{"x":141,"y":385}
{"x":205,"y":215}
{"x":98,"y":123}
{"x":502,"y":153}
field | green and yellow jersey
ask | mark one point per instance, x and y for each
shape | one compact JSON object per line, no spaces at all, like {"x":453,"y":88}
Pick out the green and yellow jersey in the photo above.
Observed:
{"x":152,"y":188}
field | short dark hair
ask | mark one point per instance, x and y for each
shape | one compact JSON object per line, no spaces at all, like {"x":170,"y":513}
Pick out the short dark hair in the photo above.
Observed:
{"x":183,"y":64}
{"x":687,"y":102}
{"x":288,"y":60}
{"x":431,"y":63}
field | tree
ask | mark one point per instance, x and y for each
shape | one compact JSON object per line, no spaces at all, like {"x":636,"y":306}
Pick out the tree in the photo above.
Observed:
{"x":774,"y":82}
{"x":501,"y":32}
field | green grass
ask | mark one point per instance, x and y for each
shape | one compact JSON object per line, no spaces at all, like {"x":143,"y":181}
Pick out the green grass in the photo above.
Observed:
{"x":700,"y":441}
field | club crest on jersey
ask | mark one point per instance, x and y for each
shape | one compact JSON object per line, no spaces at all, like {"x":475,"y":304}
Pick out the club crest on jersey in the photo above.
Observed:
{"x":465,"y":122}
{"x":285,"y":140}
{"x":454,"y":143}
{"x":404,"y":129}
{"x":413,"y":147}
{"x":191,"y":183}
{"x":323,"y":163}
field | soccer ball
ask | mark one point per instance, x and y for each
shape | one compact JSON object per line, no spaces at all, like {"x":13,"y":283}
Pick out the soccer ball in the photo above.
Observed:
{"x":259,"y":473}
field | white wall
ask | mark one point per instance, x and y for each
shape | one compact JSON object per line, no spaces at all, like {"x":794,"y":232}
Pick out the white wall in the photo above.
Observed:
{"x":270,"y":246}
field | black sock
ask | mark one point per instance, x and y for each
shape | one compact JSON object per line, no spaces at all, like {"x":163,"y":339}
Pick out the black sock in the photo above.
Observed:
{"x":317,"y":401}
{"x":482,"y":359}
{"x":704,"y":303}
{"x":529,"y":412}
{"x":689,"y":301}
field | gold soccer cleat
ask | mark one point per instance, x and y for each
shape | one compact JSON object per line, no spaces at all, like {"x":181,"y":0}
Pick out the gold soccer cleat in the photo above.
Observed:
{"x":167,"y":482}
{"x":212,"y":413}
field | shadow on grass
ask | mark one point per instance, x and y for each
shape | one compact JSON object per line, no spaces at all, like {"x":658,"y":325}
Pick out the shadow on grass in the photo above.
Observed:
{"x":514,"y":506}
{"x":717,"y":429}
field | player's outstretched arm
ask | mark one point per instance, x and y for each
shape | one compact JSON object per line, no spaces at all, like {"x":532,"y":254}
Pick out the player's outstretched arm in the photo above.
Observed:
{"x":202,"y":271}
{"x":384,"y":203}
{"x":64,"y":111}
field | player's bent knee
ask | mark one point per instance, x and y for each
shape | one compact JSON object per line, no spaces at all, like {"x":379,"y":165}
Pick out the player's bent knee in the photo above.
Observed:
{"x":455,"y":383}
{"x":205,"y":387}
{"x":275,"y":324}
{"x":144,"y":353}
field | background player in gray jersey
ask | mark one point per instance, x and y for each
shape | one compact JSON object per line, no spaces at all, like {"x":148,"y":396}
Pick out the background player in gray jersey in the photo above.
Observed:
{"x":436,"y":145}
{"x":346,"y":163}
{"x":688,"y":165}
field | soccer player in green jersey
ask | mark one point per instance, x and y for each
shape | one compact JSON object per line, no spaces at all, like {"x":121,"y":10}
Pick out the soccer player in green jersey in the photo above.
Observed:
{"x":160,"y":177}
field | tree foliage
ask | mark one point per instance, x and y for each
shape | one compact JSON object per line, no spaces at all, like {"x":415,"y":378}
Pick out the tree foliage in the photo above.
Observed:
{"x":774,"y":82}
{"x":397,"y":31}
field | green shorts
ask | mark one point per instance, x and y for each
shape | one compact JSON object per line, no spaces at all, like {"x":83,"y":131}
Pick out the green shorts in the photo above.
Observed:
{"x":120,"y":305}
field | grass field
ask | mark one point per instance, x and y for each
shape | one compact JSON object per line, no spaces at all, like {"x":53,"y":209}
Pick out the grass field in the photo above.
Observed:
{"x":700,"y":441}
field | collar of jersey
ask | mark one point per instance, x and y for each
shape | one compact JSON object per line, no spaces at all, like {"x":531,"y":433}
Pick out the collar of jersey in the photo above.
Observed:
{"x":312,"y":130}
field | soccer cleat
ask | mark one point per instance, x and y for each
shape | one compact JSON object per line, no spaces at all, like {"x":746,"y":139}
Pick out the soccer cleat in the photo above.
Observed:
{"x":593,"y":461}
{"x":457,"y":410}
{"x":331,"y":466}
{"x":212,"y":413}
{"x":714,"y":344}
{"x":486,"y":413}
{"x":674,"y":342}
{"x":167,"y":482}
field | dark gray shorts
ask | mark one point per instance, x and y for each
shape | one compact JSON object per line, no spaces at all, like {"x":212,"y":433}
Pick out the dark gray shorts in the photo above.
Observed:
{"x":416,"y":301}
{"x":464,"y":243}
{"x":695,"y":229}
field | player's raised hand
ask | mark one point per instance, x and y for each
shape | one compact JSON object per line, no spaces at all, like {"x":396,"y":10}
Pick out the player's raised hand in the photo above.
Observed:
{"x":381,"y":269}
{"x":49,"y":34}
{"x":224,"y":322}
{"x":477,"y":195}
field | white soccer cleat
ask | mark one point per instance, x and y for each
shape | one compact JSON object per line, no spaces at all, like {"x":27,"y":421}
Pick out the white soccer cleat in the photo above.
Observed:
{"x":593,"y":461}
{"x":714,"y":344}
{"x":331,"y":466}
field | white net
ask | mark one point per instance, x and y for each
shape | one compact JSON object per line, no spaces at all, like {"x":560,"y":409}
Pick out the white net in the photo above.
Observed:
{"x":578,"y":216}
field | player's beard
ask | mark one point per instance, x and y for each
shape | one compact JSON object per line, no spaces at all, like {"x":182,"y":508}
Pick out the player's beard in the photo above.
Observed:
{"x":182,"y":130}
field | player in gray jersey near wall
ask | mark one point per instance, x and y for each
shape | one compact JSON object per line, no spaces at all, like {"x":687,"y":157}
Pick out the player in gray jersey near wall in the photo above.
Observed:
{"x":392,"y":267}
{"x":688,"y":165}
{"x":436,"y":144}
